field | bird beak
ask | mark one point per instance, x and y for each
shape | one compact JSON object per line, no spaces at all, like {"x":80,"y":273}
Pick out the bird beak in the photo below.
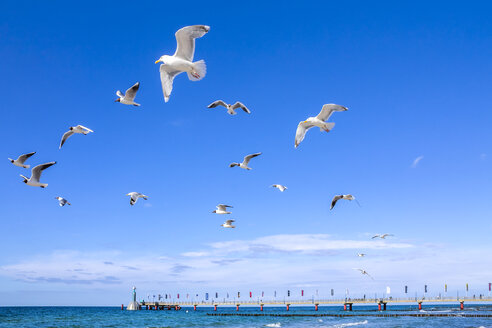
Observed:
{"x":158,"y":60}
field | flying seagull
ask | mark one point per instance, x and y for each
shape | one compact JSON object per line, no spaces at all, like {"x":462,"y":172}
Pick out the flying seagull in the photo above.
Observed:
{"x":129,"y":95}
{"x":319,"y":121}
{"x":244,"y":164}
{"x":228,"y":224}
{"x":383,"y":236}
{"x":21,"y":159}
{"x":36,"y":175}
{"x":231,"y":109}
{"x":74,"y":129}
{"x":62,"y":201}
{"x":182,"y":60}
{"x":361,"y":254}
{"x":134,"y":196}
{"x":222,"y":209}
{"x":338,"y":197}
{"x":280,"y":187}
{"x":364,"y":272}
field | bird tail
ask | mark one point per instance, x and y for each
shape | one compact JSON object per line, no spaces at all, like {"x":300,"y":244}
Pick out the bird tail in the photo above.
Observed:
{"x":199,"y":71}
{"x":328,"y":126}
{"x":135,"y":104}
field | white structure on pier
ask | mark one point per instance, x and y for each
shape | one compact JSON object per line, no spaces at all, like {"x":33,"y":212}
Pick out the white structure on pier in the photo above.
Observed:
{"x":133,"y":306}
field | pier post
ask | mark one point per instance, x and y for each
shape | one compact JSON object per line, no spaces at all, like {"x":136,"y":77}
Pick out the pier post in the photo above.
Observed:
{"x":287,"y":308}
{"x":420,"y":305}
{"x":237,"y":307}
{"x":176,"y":307}
{"x":215,"y":307}
{"x":379,"y":306}
{"x":462,"y":305}
{"x":261,"y":307}
{"x":350,"y":306}
{"x":122,"y":306}
{"x":316,"y":307}
{"x":384,"y":306}
{"x":194,"y":307}
{"x":345,"y":306}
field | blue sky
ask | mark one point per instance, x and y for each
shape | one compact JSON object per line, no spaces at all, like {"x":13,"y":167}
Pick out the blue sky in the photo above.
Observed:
{"x":416,"y":79}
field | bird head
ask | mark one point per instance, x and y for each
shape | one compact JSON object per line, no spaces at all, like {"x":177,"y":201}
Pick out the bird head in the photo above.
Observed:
{"x":11,"y":160}
{"x":160,"y":60}
{"x":117,"y":100}
{"x":71,"y":128}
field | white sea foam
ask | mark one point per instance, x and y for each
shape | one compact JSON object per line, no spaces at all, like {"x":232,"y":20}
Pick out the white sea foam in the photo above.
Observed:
{"x":273,"y":325}
{"x":350,"y":324}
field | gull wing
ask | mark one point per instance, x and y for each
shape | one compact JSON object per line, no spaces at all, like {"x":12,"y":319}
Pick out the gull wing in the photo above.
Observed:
{"x":229,"y":221}
{"x":119,"y":94}
{"x":239,"y":104}
{"x":376,"y":236}
{"x":167,"y":77}
{"x":249,"y":157}
{"x":223,"y":207}
{"x":302,"y":128}
{"x":185,"y":37}
{"x":36,"y":171}
{"x":23,"y":158}
{"x":132,"y":92}
{"x":65,"y":137}
{"x":85,"y":128}
{"x":217,"y":103}
{"x":335,"y":200}
{"x":326,"y":112}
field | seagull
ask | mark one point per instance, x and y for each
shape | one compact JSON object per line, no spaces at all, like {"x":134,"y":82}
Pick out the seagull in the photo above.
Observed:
{"x":231,"y":109}
{"x":182,"y":60}
{"x":62,"y":201}
{"x":21,"y":159}
{"x":228,"y":224}
{"x":36,"y":175}
{"x":319,"y":121}
{"x":244,"y":164}
{"x":222,"y":209}
{"x":338,"y":197}
{"x":361,"y":254}
{"x":129,"y":95}
{"x":134,"y":196}
{"x":74,"y":129}
{"x":364,"y":272}
{"x":383,"y":236}
{"x":279,"y":187}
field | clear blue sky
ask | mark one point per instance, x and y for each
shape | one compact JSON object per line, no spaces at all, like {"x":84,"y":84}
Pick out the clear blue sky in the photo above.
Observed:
{"x":416,"y":78}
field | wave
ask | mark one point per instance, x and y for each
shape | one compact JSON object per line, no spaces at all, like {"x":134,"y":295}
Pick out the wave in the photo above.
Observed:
{"x":273,"y":325}
{"x":350,"y":324}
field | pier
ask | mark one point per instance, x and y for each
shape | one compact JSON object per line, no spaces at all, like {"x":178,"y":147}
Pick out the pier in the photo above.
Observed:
{"x":347,"y":304}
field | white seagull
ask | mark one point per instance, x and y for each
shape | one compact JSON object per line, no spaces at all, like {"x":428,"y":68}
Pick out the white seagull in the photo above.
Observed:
{"x":244,"y":164}
{"x":383,"y":236}
{"x":364,"y":272}
{"x":231,"y":109}
{"x":36,"y":175}
{"x":280,"y":187}
{"x":361,"y":254}
{"x":134,"y":196}
{"x":222,"y":209}
{"x":129,"y":96}
{"x":319,"y":121}
{"x":182,"y":60}
{"x":21,"y":159}
{"x":338,"y":197}
{"x":228,"y":224}
{"x":74,"y":129}
{"x":62,"y":201}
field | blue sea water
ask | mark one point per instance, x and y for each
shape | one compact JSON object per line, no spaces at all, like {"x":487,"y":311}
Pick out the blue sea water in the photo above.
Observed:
{"x":41,"y":317}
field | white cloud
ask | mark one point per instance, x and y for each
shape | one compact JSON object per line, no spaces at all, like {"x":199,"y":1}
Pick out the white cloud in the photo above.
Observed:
{"x":417,"y":161}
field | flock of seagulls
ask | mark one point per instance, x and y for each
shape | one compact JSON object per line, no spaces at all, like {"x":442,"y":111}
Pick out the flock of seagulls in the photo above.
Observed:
{"x":172,"y":66}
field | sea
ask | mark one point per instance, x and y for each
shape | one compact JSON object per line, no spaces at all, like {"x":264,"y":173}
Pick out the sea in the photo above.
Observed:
{"x":40,"y":317}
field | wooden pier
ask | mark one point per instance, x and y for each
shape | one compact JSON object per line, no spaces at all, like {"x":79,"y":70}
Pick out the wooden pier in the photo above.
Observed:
{"x":348,"y":304}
